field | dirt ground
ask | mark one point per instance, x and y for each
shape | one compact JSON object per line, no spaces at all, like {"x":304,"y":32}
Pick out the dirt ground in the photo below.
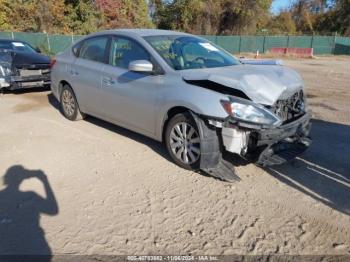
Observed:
{"x":111,"y":191}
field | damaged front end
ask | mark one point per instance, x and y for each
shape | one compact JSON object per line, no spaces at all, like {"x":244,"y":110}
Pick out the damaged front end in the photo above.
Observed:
{"x":268,"y":122}
{"x":268,"y":135}
{"x":5,"y":68}
{"x":26,"y":75}
{"x":268,"y":146}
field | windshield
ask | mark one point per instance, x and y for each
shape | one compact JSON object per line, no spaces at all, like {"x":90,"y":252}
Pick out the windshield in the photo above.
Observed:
{"x":188,"y":52}
{"x":17,"y":46}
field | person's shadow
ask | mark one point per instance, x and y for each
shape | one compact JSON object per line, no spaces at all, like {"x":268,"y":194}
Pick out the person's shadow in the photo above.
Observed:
{"x":20,"y":231}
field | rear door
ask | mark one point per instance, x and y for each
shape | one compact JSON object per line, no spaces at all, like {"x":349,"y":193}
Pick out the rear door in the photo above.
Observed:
{"x":86,"y":73}
{"x":131,"y":97}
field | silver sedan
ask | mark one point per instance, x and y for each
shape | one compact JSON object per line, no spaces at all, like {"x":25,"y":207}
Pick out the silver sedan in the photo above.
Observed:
{"x":186,"y":92}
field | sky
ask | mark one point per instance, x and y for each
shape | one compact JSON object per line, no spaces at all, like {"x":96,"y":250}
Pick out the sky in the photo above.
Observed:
{"x":278,"y":4}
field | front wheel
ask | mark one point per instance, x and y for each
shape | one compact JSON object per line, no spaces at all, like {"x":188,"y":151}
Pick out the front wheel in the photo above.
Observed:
{"x":183,"y":141}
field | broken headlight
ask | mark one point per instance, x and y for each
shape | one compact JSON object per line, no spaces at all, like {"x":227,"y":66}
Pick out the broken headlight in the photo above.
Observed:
{"x":246,"y":111}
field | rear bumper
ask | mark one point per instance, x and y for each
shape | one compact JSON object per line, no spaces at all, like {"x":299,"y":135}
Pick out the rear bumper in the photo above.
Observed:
{"x":268,"y":147}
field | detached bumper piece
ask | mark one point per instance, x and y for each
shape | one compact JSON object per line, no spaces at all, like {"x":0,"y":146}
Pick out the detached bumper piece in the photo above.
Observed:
{"x":223,"y":170}
{"x":211,"y":161}
{"x":282,"y":152}
{"x":279,"y":145}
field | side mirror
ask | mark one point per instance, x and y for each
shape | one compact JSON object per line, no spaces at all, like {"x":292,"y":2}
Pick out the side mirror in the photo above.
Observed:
{"x":38,"y":50}
{"x":141,"y":66}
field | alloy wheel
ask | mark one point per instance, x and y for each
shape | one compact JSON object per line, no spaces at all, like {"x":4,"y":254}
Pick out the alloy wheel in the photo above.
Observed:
{"x":68,"y":102}
{"x":185,"y":143}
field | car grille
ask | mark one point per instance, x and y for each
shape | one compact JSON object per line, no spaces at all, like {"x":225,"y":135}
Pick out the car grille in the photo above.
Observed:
{"x":290,"y":108}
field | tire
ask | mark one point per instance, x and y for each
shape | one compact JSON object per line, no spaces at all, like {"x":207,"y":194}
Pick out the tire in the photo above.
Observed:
{"x":69,"y":104}
{"x":182,"y":140}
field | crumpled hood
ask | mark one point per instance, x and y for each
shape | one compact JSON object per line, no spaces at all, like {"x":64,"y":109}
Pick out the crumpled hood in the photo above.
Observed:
{"x":263,"y":84}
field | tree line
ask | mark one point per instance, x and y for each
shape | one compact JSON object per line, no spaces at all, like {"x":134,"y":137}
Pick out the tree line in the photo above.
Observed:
{"x":206,"y":17}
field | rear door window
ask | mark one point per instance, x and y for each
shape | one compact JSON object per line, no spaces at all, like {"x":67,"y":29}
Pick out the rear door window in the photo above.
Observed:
{"x":95,"y":49}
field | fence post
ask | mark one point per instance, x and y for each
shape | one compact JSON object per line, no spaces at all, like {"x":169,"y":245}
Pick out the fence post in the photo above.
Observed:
{"x":287,"y":41}
{"x":334,"y":43}
{"x":48,"y":42}
{"x":239,"y":45}
{"x":72,"y":38}
{"x":264,"y":44}
{"x":12,"y":35}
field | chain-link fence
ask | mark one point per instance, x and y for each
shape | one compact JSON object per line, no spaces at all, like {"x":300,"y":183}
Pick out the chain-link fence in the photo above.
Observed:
{"x":52,"y":44}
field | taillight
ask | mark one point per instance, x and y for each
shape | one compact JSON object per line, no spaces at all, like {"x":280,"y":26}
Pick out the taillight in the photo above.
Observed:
{"x":52,"y":62}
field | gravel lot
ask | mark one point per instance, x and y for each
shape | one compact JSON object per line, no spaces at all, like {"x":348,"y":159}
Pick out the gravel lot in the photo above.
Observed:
{"x":116,"y":192}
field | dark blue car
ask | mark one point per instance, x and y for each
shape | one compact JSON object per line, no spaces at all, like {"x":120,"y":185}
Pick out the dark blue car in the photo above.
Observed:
{"x":22,"y":66}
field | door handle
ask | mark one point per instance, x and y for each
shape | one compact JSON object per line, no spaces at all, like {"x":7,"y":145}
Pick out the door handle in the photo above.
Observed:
{"x":108,"y":81}
{"x":73,"y":72}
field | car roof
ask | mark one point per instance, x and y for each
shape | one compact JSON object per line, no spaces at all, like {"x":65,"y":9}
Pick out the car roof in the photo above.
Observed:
{"x":5,"y":40}
{"x":144,"y":32}
{"x":11,"y":40}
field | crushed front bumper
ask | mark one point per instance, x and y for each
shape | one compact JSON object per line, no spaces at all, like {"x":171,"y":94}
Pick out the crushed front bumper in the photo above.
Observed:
{"x":272,"y":146}
{"x":13,"y":82}
{"x":282,"y":152}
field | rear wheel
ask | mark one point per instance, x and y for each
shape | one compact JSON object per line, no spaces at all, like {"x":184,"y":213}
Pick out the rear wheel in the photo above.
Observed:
{"x":69,"y":104}
{"x":183,"y":141}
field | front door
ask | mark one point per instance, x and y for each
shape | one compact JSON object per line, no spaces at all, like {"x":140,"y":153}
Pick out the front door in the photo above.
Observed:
{"x":130,"y":97}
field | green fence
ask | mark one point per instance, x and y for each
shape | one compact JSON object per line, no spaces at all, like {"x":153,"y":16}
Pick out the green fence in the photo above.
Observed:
{"x":322,"y":45}
{"x":49,"y":44}
{"x":336,"y":45}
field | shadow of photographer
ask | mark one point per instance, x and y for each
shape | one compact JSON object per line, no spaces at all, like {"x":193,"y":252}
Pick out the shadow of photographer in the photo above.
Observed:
{"x":20,"y":230}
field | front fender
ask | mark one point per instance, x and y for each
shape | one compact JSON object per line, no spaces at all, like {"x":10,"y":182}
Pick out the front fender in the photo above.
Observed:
{"x":194,"y":98}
